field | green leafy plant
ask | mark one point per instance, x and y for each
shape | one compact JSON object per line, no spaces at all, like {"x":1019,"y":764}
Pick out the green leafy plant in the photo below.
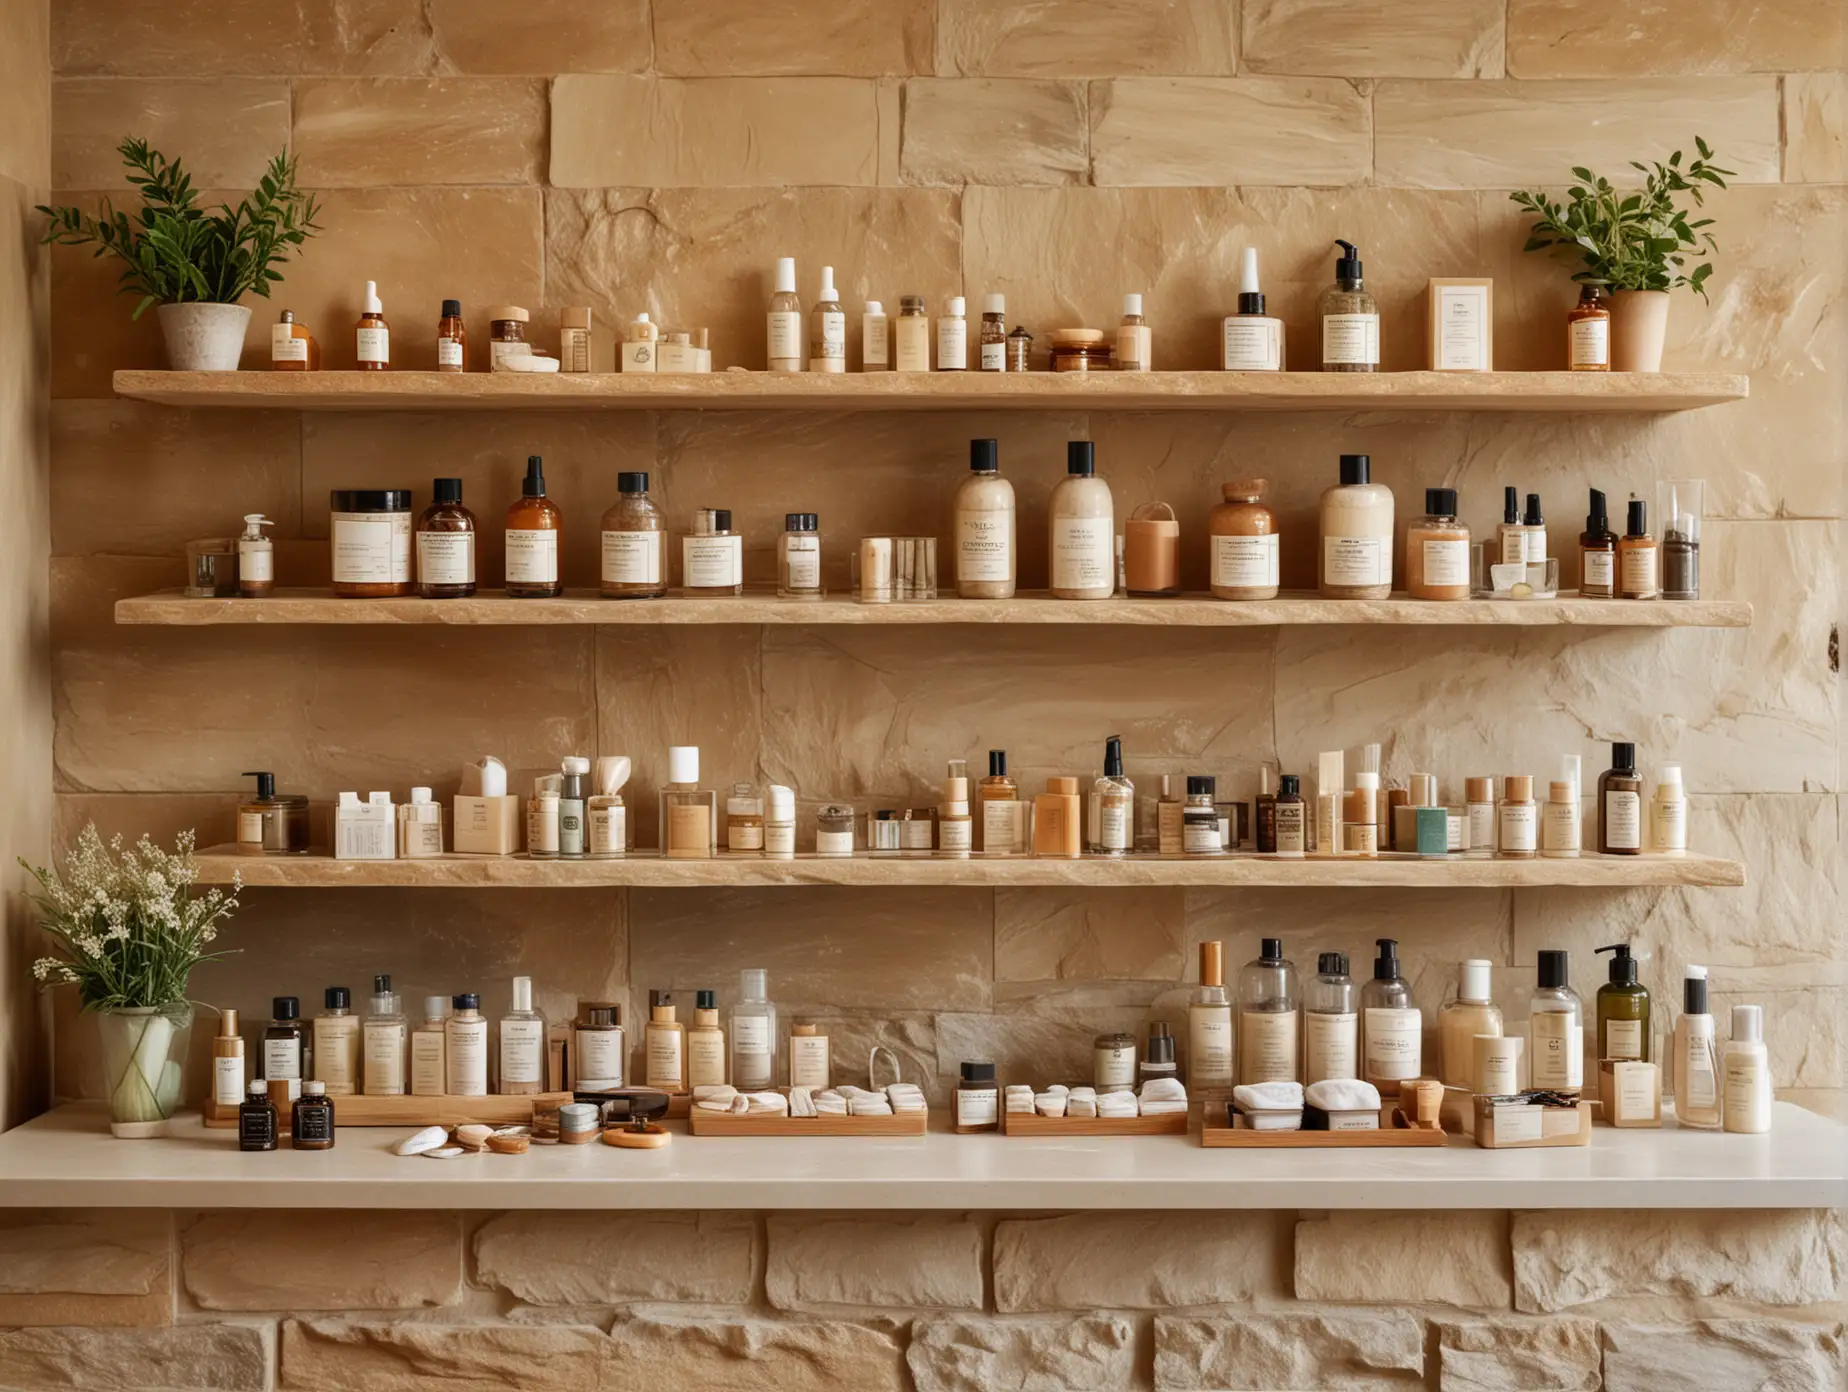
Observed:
{"x":1632,"y":240}
{"x":177,"y":252}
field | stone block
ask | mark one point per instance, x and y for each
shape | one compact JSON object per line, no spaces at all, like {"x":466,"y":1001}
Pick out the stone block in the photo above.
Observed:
{"x":1815,"y":128}
{"x":232,"y":37}
{"x":1423,"y":38}
{"x":743,"y":1356}
{"x":540,"y":37}
{"x":1785,"y":1257}
{"x":278,"y":1259}
{"x":1583,"y":38}
{"x":225,"y":130}
{"x":718,"y":132}
{"x":85,"y":1267}
{"x":1317,"y":1350}
{"x":223,"y":1357}
{"x":993,"y":131}
{"x":25,"y":114}
{"x":1413,"y":1258}
{"x":725,"y":38}
{"x":616,"y":1258}
{"x":1083,"y":38}
{"x":983,"y":1355}
{"x":1513,"y":134}
{"x":1173,"y":131}
{"x":1559,"y":1354}
{"x":1137,"y":1261}
{"x":1759,"y":1353}
{"x":1083,"y":935}
{"x":382,"y":132}
{"x":406,"y":1357}
{"x":824,"y":1261}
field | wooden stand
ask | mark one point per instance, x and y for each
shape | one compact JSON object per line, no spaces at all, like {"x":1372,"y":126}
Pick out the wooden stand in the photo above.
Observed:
{"x":708,"y":1123}
{"x":1215,"y":1134}
{"x":441,"y":1111}
{"x":1033,"y":1124}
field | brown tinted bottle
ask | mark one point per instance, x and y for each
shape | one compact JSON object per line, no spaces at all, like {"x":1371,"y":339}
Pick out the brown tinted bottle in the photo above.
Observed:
{"x":446,"y":544}
{"x":535,"y":531}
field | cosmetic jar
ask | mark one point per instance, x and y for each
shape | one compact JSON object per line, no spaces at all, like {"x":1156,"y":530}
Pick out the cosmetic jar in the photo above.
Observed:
{"x":1113,"y":1062}
{"x":577,"y":1123}
{"x":506,"y":335}
{"x":1080,"y":350}
{"x":918,"y":829}
{"x":887,"y":831}
{"x":369,"y":536}
{"x":1019,"y":350}
{"x":834,"y":830}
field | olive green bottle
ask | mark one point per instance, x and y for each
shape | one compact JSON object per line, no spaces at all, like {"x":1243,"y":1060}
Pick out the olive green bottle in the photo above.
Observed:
{"x":1624,"y":1033}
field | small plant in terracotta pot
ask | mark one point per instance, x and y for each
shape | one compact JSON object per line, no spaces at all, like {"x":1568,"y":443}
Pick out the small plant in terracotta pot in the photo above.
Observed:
{"x":193,"y":263}
{"x":1635,"y":243}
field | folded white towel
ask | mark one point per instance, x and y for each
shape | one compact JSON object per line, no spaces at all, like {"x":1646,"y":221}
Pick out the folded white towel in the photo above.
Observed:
{"x":1343,"y":1095}
{"x":912,"y":1101}
{"x":1163,"y":1090}
{"x":802,"y":1102}
{"x":1117,"y":1104}
{"x":1268,"y":1097}
{"x":767,"y":1104}
{"x":1050,"y":1104}
{"x":737,"y":1102}
{"x":1019,"y":1100}
{"x":1089,"y":1093}
{"x":1081,"y":1107}
{"x":1059,"y":1088}
{"x":830,"y":1106}
{"x":868,"y":1106}
{"x":849,"y":1091}
{"x":714,"y":1092}
{"x":1157,"y":1106}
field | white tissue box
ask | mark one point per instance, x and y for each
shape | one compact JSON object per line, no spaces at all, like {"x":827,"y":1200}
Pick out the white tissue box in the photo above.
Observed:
{"x":365,"y":830}
{"x":487,"y":825}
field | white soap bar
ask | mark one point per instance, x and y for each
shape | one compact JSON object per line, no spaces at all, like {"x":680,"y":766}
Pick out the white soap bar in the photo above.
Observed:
{"x":1343,"y":1095}
{"x":1268,"y":1097}
{"x":425,"y":1140}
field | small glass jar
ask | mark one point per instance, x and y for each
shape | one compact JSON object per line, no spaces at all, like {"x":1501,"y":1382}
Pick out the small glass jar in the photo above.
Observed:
{"x":834,"y":830}
{"x":887,"y":832}
{"x":211,"y":568}
{"x":712,"y":555}
{"x":1437,"y":550}
{"x":1080,"y":350}
{"x":798,"y":557}
{"x":1113,"y":1062}
{"x":895,"y":570}
{"x":744,"y":820}
{"x":1019,"y":350}
{"x":506,"y":335}
{"x":1200,"y":817}
{"x":369,"y":541}
{"x":918,"y":829}
{"x":1246,"y":560}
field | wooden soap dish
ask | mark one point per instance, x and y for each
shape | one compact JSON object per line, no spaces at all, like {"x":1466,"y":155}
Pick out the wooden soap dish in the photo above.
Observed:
{"x":647,"y":1136}
{"x":1217,"y":1133}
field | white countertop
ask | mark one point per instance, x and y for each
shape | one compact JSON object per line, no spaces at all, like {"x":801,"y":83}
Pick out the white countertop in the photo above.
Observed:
{"x":68,"y":1159}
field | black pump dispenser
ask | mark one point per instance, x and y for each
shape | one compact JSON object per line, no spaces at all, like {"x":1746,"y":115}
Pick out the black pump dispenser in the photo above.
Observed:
{"x":1598,"y":519}
{"x":1332,"y":964}
{"x":1113,"y":757}
{"x":1533,"y":518}
{"x":266,"y":785}
{"x":1386,"y":965}
{"x":1623,"y":965}
{"x":1270,"y":951}
{"x":1347,"y":266}
{"x":1511,"y":506}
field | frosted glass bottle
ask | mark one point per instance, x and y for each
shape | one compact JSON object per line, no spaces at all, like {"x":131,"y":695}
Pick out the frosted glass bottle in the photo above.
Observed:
{"x":1081,"y":543}
{"x":1357,"y":532}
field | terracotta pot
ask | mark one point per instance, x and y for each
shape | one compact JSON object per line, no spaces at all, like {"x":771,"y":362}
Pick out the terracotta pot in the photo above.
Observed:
{"x":1639,"y":324}
{"x":203,"y":337}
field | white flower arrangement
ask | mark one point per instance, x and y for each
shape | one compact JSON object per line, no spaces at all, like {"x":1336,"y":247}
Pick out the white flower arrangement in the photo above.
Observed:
{"x":125,"y":925}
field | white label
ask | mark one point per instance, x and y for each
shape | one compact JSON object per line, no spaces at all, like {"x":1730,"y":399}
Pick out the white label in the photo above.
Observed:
{"x":1004,"y":827}
{"x":501,"y":349}
{"x":1446,"y":562}
{"x":982,"y":540}
{"x":1513,"y":545}
{"x":802,"y":556}
{"x":1463,"y":328}
{"x":632,"y":558}
{"x":1588,"y":343}
{"x":1517,"y":1122}
{"x":1267,"y":1046}
{"x":373,"y":344}
{"x":1290,"y":820}
{"x":955,"y":833}
{"x":1482,"y":826}
{"x":1518,"y":827}
{"x":466,"y":1044}
{"x":1132,"y":348}
{"x":994,"y":357}
{"x":1669,"y":830}
{"x":522,"y":1051}
{"x":1559,"y":827}
{"x":1083,"y":553}
{"x":831,"y":347}
{"x":1535,"y":548}
{"x":1623,"y":821}
{"x":808,"y":1060}
{"x":599,"y":1055}
{"x":1700,"y":1083}
{"x":664,"y":1060}
{"x":429,"y":1074}
{"x":336,"y":1053}
{"x":751,"y":1034}
{"x":712,"y":562}
{"x":449,"y":352}
{"x":873,"y":340}
{"x":532,"y":556}
{"x":1113,"y":830}
{"x":913,"y":344}
{"x":1636,"y":1091}
{"x":1395,"y":1042}
{"x":1246,"y":562}
{"x":1331,"y":1046}
{"x":952,"y":344}
{"x":1623,"y":1039}
{"x":751,"y":1057}
{"x":446,"y":558}
{"x":779,"y":838}
{"x":249,"y":833}
{"x":1555,"y":1051}
{"x":286,"y":347}
{"x":705,"y":1058}
{"x":1252,"y":344}
{"x":1357,"y":560}
{"x":1351,"y":338}
{"x":1200,"y":836}
{"x":1113,"y":1066}
{"x":1597,"y":570}
{"x":835,"y":843}
{"x":978,"y":1106}
{"x":1209,"y":1047}
{"x":371,"y":548}
{"x":228,"y":1081}
{"x":1637,"y":566}
{"x":1741,"y":1085}
{"x":282,"y":1058}
{"x":785,"y":335}
{"x":384,"y":1065}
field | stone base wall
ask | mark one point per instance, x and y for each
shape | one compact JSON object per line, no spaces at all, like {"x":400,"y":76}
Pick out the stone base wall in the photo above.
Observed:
{"x":250,"y":1300}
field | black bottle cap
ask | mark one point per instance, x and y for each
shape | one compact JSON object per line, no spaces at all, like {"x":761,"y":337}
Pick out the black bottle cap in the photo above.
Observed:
{"x":1552,"y":968}
{"x":381,"y":985}
{"x":659,"y":998}
{"x":1533,"y":518}
{"x":1386,"y":965}
{"x":1251,"y":302}
{"x":370,"y":499}
{"x":1511,"y":505}
{"x":705,"y":1000}
{"x":984,"y":456}
{"x":266,"y":784}
{"x":1639,"y":518}
{"x":467,"y":1001}
{"x":721,"y":519}
{"x":978,"y":1072}
{"x":632,"y":481}
{"x":801,"y":522}
{"x":1113,"y":757}
{"x":1598,"y":519}
{"x":997,"y":763}
{"x":452,"y":309}
{"x":285,"y":1007}
{"x":1081,"y":458}
{"x":534,"y":487}
{"x":1694,"y":996}
{"x":1332,"y":964}
{"x":1440,"y":502}
{"x":446,"y":490}
{"x":337,"y":997}
{"x":1161,"y":1044}
{"x":1198,"y":783}
{"x":1623,"y":965}
{"x":1289,"y":786}
{"x":1623,"y":757}
{"x":1347,"y":266}
{"x":1356,"y":468}
{"x":1270,"y":950}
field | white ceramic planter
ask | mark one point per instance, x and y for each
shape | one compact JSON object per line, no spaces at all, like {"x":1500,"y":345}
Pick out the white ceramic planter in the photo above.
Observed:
{"x":1639,"y":325}
{"x":203,"y":337}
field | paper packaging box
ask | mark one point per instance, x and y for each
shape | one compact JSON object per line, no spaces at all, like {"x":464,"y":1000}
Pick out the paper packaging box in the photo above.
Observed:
{"x":487,"y":825}
{"x":365,"y":830}
{"x":1460,"y":324}
{"x":1502,"y":1124}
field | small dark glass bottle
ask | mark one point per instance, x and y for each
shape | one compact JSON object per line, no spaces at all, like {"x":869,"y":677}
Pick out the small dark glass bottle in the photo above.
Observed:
{"x":1598,"y":552}
{"x":311,"y":1119}
{"x":285,"y":1048}
{"x":1624,"y":1025}
{"x":256,"y":1119}
{"x":446,"y":544}
{"x":1620,"y":804}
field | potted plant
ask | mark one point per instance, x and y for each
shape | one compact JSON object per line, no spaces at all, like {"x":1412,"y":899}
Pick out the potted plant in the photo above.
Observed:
{"x":193,"y":263}
{"x":1635,"y":244}
{"x":126,"y":931}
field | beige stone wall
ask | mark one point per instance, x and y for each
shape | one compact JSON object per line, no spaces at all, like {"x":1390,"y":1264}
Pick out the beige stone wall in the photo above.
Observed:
{"x":245,"y":1301}
{"x":636,"y":157}
{"x":25,"y":510}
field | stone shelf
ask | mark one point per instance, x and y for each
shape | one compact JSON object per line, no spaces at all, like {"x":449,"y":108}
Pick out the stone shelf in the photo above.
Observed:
{"x":306,"y":606}
{"x":939,"y":391}
{"x":67,"y":1159}
{"x":218,"y":864}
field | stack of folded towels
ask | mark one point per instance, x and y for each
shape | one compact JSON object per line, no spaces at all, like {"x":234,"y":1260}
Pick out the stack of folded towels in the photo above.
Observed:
{"x":1162,"y":1095}
{"x":1159,"y":1096}
{"x":1116,"y":1104}
{"x":1018,"y":1098}
{"x":846,"y":1100}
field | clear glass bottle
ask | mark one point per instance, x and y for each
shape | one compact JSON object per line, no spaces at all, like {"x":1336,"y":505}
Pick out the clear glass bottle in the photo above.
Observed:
{"x":911,"y":336}
{"x":1350,"y":318}
{"x":1019,"y":350}
{"x":798,"y":557}
{"x":1639,"y":571}
{"x":336,"y":1043}
{"x":1112,"y":822}
{"x":1081,"y":547}
{"x":535,"y":536}
{"x":993,"y":347}
{"x":953,"y":336}
{"x":1437,"y":550}
{"x":1626,"y":1031}
{"x":1001,"y":829}
{"x":1357,"y":530}
{"x":986,"y":554}
{"x":744,"y":821}
{"x":1132,"y":337}
{"x":1555,"y":1029}
{"x":465,"y":1047}
{"x":386,"y":1034}
{"x":827,"y":329}
{"x":1331,"y":1022}
{"x":429,"y":1052}
{"x":783,"y":350}
{"x":1209,"y":1024}
{"x":446,"y":544}
{"x":1269,"y":1015}
{"x":634,"y":540}
{"x":706,"y":1058}
{"x":1459,"y":1021}
{"x":753,"y":1033}
{"x":712,"y":555}
{"x":1392,"y":1027}
{"x":522,"y":1044}
{"x":689,"y":813}
{"x":1247,"y":562}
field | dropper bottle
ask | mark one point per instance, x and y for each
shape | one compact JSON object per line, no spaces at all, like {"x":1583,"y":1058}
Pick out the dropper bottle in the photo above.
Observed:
{"x":1253,"y":340}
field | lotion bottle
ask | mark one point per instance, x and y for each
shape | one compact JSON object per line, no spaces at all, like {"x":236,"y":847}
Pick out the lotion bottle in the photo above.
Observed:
{"x":784,"y":346}
{"x":1668,"y":814}
{"x":705,"y":1043}
{"x":1350,"y":318}
{"x":1746,"y":1073}
{"x":1697,"y":1060}
{"x":664,"y":1045}
{"x":1081,"y":548}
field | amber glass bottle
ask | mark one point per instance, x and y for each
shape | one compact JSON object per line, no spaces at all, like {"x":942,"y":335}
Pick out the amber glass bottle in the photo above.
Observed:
{"x":446,"y":545}
{"x":535,"y":529}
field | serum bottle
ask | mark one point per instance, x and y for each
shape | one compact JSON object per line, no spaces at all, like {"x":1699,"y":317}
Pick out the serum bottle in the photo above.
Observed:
{"x":827,"y":329}
{"x":1620,"y":804}
{"x":1597,"y":552}
{"x":382,"y":1045}
{"x":372,"y":335}
{"x":1253,"y":340}
{"x":784,"y":347}
{"x":1209,"y":1025}
{"x":535,"y":528}
{"x":1392,"y":1027}
{"x":1697,"y":1059}
{"x":522,"y":1044}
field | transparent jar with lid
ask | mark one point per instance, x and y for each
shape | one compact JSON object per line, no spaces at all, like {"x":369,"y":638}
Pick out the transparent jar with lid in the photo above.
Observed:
{"x":1080,"y":350}
{"x":507,"y":336}
{"x":1247,"y":560}
{"x":1437,"y":550}
{"x":1200,"y":817}
{"x":798,"y":557}
{"x":834,"y":830}
{"x":1113,"y":1062}
{"x":744,"y":820}
{"x":634,"y":538}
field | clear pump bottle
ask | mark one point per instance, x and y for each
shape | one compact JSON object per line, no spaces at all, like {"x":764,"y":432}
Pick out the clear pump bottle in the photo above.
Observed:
{"x":1269,"y":1011}
{"x":522,"y":1044}
{"x":1331,"y":1022}
{"x":1350,"y":318}
{"x":1392,"y":1027}
{"x":1113,"y":805}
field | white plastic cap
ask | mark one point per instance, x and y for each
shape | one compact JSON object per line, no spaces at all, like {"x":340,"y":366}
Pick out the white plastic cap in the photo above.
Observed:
{"x":827,"y":283}
{"x":1367,"y":780}
{"x":493,"y":777}
{"x":1248,"y":277}
{"x":785,"y":275}
{"x":994,"y":304}
{"x":1132,"y":304}
{"x":955,"y":305}
{"x":612,"y":773}
{"x":754,"y":982}
{"x":782,"y":803}
{"x":314,"y":1087}
{"x":254,"y":522}
{"x":435,"y":1006}
{"x":642,"y":318}
{"x":372,"y":298}
{"x":420,"y":797}
{"x":683,"y":763}
{"x":1749,"y":1024}
{"x":1696,"y":973}
{"x":1475,"y":983}
{"x":874,"y":307}
{"x":522,"y":993}
{"x":1671,"y":776}
{"x":258,"y":1088}
{"x":575,"y":763}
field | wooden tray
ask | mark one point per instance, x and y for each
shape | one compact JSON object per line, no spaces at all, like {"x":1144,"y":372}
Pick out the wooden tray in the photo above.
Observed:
{"x":443,"y":1111}
{"x":1033,"y":1124}
{"x":1216,"y":1134}
{"x":708,"y":1123}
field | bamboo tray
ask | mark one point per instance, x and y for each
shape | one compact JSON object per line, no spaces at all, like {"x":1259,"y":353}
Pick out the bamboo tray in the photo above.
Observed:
{"x":1217,"y":1134}
{"x":493,"y":1110}
{"x":707,"y":1123}
{"x":1033,"y":1124}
